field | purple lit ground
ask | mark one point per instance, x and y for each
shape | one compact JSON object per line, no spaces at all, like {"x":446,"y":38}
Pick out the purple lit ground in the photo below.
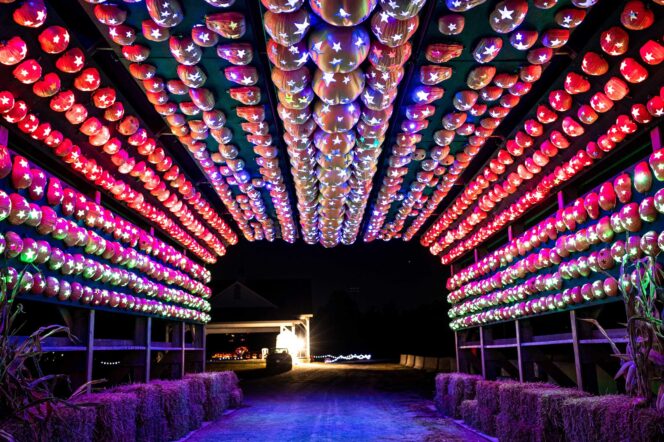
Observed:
{"x":321,"y":402}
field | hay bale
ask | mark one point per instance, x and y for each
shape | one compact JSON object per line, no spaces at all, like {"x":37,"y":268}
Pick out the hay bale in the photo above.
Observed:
{"x":218,"y":388}
{"x":514,"y":431}
{"x":511,"y":399}
{"x":197,"y":398}
{"x":488,"y":405}
{"x":460,"y":387}
{"x":469,"y":412}
{"x":115,"y":417}
{"x":611,"y":417}
{"x":150,"y":417}
{"x":72,"y":424}
{"x":547,"y":406}
{"x":175,"y":396}
{"x":452,"y":389}
{"x":236,"y":397}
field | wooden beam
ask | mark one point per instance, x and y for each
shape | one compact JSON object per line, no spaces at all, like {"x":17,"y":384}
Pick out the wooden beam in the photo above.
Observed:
{"x":182,"y":349}
{"x":519,"y":356}
{"x":89,"y":353}
{"x":148,"y":348}
{"x":577,"y":352}
{"x":456,"y":349}
{"x":4,"y":136}
{"x":656,"y":138}
{"x":482,"y":356}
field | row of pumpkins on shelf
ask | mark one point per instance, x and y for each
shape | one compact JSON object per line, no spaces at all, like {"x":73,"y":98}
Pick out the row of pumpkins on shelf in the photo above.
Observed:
{"x":626,"y":217}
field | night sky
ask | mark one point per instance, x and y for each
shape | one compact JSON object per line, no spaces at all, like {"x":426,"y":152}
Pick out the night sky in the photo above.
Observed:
{"x":394,"y":291}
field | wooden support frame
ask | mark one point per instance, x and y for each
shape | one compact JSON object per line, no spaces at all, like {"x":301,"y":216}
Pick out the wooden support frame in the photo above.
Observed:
{"x":137,"y":352}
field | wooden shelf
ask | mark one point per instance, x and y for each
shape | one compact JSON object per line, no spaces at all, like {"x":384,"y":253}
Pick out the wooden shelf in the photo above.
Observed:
{"x":553,"y":339}
{"x":135,"y":349}
{"x":502,"y":343}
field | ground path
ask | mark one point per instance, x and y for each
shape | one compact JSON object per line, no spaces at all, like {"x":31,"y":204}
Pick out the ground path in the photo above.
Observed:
{"x":330,"y":402}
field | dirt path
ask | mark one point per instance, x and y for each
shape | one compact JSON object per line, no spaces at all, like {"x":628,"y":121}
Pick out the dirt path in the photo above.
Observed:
{"x":337,"y":403}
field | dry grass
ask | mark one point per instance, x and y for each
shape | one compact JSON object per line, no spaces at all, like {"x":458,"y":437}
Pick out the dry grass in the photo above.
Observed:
{"x":116,"y":416}
{"x":150,"y":417}
{"x":609,"y":418}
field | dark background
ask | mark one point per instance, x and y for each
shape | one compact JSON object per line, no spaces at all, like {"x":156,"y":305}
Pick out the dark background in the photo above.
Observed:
{"x":379,"y":298}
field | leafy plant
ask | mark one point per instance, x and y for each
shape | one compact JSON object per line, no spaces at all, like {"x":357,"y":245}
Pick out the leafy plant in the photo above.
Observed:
{"x":642,"y":362}
{"x":26,"y":393}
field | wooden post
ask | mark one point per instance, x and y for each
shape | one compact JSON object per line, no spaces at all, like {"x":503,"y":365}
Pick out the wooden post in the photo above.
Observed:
{"x":655,"y":138}
{"x":89,"y":352}
{"x":182,"y":349}
{"x":577,"y":353}
{"x":456,"y":349}
{"x":519,"y":358}
{"x":204,"y":345}
{"x":482,"y":356}
{"x":148,"y":348}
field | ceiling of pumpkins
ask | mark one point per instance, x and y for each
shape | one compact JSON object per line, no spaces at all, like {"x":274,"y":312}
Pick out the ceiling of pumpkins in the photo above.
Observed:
{"x":329,"y":121}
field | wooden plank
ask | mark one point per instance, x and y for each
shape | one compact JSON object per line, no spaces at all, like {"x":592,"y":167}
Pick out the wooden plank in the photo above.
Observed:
{"x":89,"y":357}
{"x":577,"y":354}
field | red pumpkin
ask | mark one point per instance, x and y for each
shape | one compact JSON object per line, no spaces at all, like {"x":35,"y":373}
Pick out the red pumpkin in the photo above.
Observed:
{"x":614,"y":41}
{"x":63,"y":101}
{"x":88,"y":80}
{"x":203,"y":36}
{"x":281,"y":6}
{"x":339,"y":49}
{"x":385,"y":58}
{"x":616,"y":89}
{"x":48,"y":86}
{"x":633,"y":71}
{"x":487,"y":49}
{"x":71,"y":61}
{"x":184,"y":50}
{"x":594,"y":64}
{"x":122,"y":35}
{"x":402,"y":9}
{"x":110,"y":14}
{"x":7,"y":102}
{"x":31,"y":13}
{"x":507,"y":15}
{"x":153,"y":32}
{"x":523,"y":39}
{"x":435,"y":52}
{"x":555,"y":38}
{"x":166,"y":13}
{"x":229,"y":25}
{"x":391,"y":31}
{"x":13,"y":51}
{"x":570,"y":17}
{"x":239,"y":54}
{"x":343,"y":12}
{"x":21,"y":174}
{"x":636,"y":16}
{"x":652,"y":52}
{"x":28,"y":71}
{"x":451,"y":24}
